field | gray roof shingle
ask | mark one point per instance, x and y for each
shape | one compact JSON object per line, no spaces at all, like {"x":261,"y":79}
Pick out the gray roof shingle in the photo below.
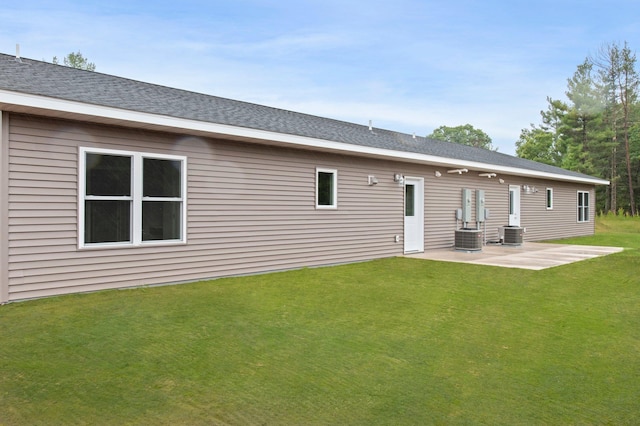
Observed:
{"x":90,"y":87}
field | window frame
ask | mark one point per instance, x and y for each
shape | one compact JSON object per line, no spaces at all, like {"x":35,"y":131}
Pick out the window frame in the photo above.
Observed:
{"x":549,"y":198}
{"x":334,"y":188}
{"x":583,"y":209}
{"x":136,"y":198}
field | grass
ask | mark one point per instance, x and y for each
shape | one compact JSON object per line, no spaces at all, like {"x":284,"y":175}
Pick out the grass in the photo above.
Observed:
{"x":392,"y":341}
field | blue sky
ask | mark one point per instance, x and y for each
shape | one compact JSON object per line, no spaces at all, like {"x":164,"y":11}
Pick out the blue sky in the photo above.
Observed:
{"x":406,"y":65}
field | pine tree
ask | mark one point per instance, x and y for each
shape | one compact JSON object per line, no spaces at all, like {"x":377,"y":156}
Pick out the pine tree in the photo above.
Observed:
{"x":598,"y":130}
{"x":619,"y":81}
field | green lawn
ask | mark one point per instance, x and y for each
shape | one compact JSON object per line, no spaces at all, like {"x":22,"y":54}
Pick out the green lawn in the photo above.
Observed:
{"x":388,"y":342}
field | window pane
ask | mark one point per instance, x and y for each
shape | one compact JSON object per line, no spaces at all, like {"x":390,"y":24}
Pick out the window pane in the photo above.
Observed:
{"x":579,"y":206}
{"x":108,"y":175}
{"x":325,"y":189}
{"x":107,"y":221}
{"x":409,"y":200}
{"x":161,"y":220}
{"x":549,"y":198}
{"x":586,"y":206}
{"x":511,"y":205}
{"x":161,"y":178}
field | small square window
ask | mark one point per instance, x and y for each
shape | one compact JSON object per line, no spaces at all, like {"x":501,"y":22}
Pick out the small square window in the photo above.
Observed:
{"x":326,"y":188}
{"x":549,"y":198}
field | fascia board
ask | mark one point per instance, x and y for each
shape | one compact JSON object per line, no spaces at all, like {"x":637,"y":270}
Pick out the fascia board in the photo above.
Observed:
{"x":62,"y":107}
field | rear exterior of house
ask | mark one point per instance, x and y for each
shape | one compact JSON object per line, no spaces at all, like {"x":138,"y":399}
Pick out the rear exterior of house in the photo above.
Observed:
{"x":95,"y":197}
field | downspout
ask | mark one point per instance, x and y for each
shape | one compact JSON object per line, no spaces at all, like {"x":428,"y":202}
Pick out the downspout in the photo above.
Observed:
{"x":4,"y":207}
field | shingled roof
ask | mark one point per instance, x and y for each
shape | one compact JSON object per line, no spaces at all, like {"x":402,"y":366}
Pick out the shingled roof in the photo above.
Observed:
{"x":42,"y":79}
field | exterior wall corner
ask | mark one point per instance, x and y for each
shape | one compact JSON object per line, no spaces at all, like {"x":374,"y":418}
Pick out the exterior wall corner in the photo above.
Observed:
{"x":4,"y":207}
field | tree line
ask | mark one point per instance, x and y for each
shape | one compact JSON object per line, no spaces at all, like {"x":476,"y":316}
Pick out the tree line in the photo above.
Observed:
{"x":596,"y":130}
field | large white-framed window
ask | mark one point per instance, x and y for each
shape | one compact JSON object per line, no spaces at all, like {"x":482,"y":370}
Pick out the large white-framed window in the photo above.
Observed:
{"x":583,"y":206}
{"x":129,"y":198}
{"x":326,"y":188}
{"x":549,"y":200}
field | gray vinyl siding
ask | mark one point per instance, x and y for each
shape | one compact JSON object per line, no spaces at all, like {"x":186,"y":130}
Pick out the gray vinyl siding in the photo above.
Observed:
{"x":443,"y":195}
{"x":562,"y":220}
{"x":250,"y":209}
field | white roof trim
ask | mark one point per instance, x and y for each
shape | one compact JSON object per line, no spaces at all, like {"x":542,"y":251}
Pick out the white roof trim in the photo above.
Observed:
{"x":65,"y":107}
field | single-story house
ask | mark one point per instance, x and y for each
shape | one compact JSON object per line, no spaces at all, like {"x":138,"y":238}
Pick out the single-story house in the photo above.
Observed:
{"x":106,"y":182}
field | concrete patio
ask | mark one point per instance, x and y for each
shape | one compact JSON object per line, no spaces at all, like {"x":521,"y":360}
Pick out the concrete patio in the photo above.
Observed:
{"x":535,"y":256}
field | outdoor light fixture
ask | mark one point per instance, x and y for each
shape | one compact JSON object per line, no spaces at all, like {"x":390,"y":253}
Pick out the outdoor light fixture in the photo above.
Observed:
{"x":438,"y":174}
{"x":373,"y":180}
{"x":458,"y":171}
{"x":398,"y":178}
{"x":501,"y":180}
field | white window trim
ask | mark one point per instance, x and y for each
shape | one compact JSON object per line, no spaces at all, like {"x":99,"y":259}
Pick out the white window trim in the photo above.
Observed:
{"x":548,"y":194}
{"x":588,"y":206}
{"x":335,"y":188}
{"x":136,"y":198}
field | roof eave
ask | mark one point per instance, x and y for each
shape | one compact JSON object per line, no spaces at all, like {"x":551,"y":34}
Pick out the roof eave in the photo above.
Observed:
{"x":61,"y":108}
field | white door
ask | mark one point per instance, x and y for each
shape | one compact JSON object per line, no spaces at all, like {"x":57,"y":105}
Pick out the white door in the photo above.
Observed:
{"x":514,"y":205}
{"x":413,"y":215}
